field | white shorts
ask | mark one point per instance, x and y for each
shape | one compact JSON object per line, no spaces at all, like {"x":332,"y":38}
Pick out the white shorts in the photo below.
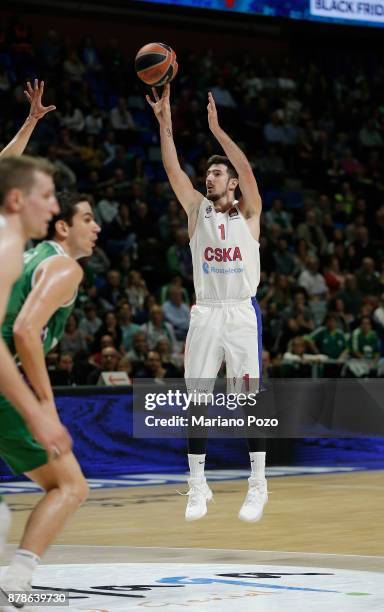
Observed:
{"x":230,"y":331}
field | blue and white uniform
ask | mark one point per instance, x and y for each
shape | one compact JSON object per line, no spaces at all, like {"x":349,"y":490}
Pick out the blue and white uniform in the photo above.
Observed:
{"x":226,"y":320}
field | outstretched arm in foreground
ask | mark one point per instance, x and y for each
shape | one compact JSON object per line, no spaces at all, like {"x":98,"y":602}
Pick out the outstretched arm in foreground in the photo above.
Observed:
{"x":37,"y":111}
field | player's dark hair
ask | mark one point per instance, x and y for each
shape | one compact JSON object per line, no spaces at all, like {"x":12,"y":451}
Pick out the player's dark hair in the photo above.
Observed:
{"x":222,"y":159}
{"x":68,"y":201}
{"x":19,"y":173}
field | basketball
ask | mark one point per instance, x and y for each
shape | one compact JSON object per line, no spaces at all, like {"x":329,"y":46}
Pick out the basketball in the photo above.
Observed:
{"x":156,"y":64}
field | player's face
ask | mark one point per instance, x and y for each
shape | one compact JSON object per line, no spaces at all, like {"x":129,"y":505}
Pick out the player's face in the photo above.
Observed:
{"x":39,"y":206}
{"x":218,"y":182}
{"x":82,"y":234}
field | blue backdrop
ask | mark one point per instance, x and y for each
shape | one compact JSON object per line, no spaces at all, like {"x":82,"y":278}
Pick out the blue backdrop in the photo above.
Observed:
{"x":100,"y":422}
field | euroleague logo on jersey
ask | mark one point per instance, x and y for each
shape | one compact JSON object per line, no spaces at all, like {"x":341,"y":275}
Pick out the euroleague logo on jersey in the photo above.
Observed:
{"x":208,"y":212}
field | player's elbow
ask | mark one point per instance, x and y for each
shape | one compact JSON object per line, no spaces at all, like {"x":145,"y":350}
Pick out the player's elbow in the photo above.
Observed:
{"x":22,"y":331}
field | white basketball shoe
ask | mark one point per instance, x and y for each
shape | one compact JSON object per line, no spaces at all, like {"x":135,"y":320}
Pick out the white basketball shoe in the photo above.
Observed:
{"x":198,"y":495}
{"x":255,"y":500}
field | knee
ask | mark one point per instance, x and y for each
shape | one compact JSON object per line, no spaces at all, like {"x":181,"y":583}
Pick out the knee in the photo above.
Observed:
{"x":80,"y":489}
{"x":76,"y":490}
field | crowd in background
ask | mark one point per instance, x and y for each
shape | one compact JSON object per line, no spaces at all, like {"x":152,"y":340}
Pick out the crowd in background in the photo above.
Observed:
{"x":313,"y":130}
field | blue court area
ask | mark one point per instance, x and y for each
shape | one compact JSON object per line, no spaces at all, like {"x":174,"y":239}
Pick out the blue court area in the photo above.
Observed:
{"x":100,"y":422}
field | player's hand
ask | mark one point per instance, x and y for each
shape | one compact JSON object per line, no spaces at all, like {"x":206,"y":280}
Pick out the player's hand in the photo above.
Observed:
{"x":161,"y":106}
{"x":34,"y":96}
{"x":51,"y":434}
{"x":213,"y":120}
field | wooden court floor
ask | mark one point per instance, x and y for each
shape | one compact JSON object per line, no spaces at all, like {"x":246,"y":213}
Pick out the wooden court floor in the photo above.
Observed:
{"x":340,"y":514}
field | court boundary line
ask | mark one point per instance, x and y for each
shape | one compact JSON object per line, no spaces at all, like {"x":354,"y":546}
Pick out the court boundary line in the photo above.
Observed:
{"x":285,"y":552}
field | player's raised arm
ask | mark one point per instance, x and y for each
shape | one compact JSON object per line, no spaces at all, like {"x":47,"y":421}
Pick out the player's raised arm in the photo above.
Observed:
{"x":187,"y":195}
{"x":37,"y":111}
{"x":48,"y":432}
{"x":250,"y":200}
{"x":56,"y":284}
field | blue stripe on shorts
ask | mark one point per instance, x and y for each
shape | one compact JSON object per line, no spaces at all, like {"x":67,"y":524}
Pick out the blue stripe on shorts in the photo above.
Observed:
{"x":259,"y":337}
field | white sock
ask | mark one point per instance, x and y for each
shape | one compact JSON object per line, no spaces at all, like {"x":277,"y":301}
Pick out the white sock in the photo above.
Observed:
{"x":257,"y":465}
{"x":196,"y":466}
{"x":22,"y":566}
{"x":5,"y":523}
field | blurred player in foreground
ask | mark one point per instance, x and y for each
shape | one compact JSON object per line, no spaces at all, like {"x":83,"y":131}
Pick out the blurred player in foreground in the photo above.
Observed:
{"x":39,"y":306}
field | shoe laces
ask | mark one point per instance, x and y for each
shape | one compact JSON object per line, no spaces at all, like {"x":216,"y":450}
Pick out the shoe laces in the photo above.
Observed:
{"x":196,"y":491}
{"x":256,"y":491}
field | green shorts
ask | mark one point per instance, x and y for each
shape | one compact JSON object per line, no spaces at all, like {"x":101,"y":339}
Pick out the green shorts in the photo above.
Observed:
{"x":17,"y":447}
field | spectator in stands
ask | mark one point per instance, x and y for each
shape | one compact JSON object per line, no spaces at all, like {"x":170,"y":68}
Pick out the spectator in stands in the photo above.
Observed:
{"x":170,"y":221}
{"x":172,"y":362}
{"x":274,"y":130}
{"x":154,"y":368}
{"x":110,"y":327}
{"x":121,"y":118}
{"x":63,"y":374}
{"x":109,"y":362}
{"x":312,"y":234}
{"x":71,"y":117}
{"x":222,"y":95}
{"x":94,"y":122}
{"x":127,"y":327}
{"x":74,"y":67}
{"x":108,"y":207}
{"x":112,"y":292}
{"x":364,"y":348}
{"x":278,"y":215}
{"x":284,"y":261}
{"x":65,"y":178}
{"x":73,"y":339}
{"x":370,"y":136}
{"x":328,"y":340}
{"x":138,"y":353}
{"x":125,"y":365}
{"x":378,"y":315}
{"x":98,"y":264}
{"x":91,"y":323}
{"x":119,"y":234}
{"x":136,"y":291}
{"x":351,"y":295}
{"x":176,"y":312}
{"x":298,"y":358}
{"x":298,"y":315}
{"x":312,"y":280}
{"x":179,"y":258}
{"x":333,"y":276}
{"x":157,"y":328}
{"x":105,"y":341}
{"x":176,"y":281}
{"x":368,"y":280}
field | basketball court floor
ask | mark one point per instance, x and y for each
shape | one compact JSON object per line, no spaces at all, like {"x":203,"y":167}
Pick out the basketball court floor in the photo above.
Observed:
{"x":320,"y":544}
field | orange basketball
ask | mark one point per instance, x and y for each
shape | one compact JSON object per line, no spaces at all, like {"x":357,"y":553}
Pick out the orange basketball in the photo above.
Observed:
{"x":156,"y":64}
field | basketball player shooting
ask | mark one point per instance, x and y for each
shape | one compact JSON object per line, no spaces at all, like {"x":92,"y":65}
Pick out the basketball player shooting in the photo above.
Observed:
{"x":226,"y":320}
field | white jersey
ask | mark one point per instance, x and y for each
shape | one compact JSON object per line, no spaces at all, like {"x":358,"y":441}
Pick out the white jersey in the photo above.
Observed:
{"x":225,"y":256}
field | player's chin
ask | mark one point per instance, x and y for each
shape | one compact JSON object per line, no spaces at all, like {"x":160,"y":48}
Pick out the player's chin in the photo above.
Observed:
{"x":40,"y":232}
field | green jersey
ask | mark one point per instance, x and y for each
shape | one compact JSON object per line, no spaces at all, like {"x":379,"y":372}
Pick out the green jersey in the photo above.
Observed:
{"x":54,"y":329}
{"x":368,"y":345}
{"x":330,"y":343}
